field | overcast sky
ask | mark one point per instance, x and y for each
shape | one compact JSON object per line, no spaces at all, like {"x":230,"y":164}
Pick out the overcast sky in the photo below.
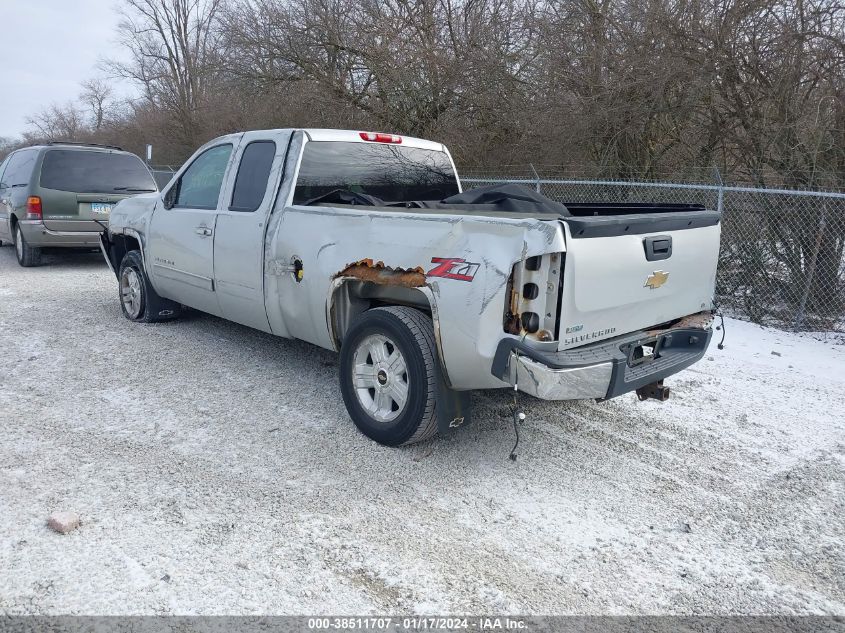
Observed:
{"x":49,"y":47}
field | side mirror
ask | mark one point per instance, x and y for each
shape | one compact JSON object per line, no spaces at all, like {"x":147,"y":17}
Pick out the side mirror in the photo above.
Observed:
{"x":169,"y":198}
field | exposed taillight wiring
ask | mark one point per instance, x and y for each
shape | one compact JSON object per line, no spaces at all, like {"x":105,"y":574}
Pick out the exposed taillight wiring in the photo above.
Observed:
{"x":517,"y":415}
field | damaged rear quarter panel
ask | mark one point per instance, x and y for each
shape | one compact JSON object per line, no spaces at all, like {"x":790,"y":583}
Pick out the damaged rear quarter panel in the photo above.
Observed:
{"x":332,"y":241}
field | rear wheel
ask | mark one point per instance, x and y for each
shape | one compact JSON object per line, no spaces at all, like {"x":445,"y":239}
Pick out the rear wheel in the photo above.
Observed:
{"x":138,"y":301}
{"x":27,"y":255}
{"x":387,"y":375}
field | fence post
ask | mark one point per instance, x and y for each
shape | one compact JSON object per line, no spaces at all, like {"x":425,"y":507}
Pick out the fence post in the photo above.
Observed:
{"x":802,"y":307}
{"x":536,"y":177}
{"x":720,"y":194}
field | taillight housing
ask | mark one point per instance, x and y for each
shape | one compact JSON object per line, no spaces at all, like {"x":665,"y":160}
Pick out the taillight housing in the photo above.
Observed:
{"x":380,"y":137}
{"x":33,"y":208}
{"x":532,"y":305}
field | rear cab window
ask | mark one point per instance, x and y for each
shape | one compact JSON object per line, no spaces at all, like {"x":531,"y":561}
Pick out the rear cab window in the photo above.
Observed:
{"x":87,"y":171}
{"x":392,"y":173}
{"x":251,"y":183}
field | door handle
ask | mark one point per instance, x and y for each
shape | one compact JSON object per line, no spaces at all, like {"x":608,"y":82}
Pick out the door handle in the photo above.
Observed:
{"x":204,"y":231}
{"x":657,"y":247}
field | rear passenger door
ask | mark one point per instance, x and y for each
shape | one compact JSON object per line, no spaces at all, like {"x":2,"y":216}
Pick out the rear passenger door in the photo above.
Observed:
{"x":241,"y":228}
{"x":181,"y":244}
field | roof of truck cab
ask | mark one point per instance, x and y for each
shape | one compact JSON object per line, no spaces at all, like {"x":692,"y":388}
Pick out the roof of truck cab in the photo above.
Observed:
{"x":354,"y":136}
{"x":347,"y":136}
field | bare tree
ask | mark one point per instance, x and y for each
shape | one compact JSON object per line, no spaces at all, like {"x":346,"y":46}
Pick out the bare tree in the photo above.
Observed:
{"x":96,"y":94}
{"x":57,"y":122}
{"x":174,"y":53}
{"x":408,"y":64}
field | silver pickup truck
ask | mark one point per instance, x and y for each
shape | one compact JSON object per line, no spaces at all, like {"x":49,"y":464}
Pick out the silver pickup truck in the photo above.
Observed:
{"x":364,"y":243}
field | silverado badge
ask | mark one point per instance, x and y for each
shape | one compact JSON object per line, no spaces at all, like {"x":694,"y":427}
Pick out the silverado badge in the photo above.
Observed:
{"x":656,"y":279}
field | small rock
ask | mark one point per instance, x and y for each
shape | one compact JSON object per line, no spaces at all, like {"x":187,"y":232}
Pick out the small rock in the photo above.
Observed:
{"x":166,"y":578}
{"x":63,"y":522}
{"x":709,"y":358}
{"x":774,"y":353}
{"x":421,"y":456}
{"x":686,"y":527}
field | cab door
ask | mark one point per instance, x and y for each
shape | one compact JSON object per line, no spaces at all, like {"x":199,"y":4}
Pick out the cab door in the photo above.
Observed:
{"x":181,"y":245}
{"x":241,"y":228}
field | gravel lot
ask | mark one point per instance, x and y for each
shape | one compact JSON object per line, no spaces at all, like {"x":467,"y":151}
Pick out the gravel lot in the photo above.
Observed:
{"x":216,"y":471}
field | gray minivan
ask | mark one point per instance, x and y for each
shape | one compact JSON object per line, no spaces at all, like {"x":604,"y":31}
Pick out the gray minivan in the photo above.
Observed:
{"x":61,"y":194}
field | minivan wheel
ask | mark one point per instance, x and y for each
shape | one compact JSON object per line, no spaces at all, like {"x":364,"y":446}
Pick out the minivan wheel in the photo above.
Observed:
{"x":387,"y":375}
{"x":138,"y":301}
{"x":27,"y":255}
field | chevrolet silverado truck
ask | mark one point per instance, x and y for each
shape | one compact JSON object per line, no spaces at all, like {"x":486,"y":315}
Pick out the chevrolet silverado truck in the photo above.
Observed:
{"x":365,"y":243}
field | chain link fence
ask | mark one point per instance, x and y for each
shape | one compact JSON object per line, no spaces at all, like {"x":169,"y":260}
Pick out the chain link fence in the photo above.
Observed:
{"x":162,"y":174}
{"x":781,"y":261}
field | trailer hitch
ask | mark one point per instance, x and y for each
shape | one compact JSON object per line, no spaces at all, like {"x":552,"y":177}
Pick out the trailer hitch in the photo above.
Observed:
{"x":654,"y":390}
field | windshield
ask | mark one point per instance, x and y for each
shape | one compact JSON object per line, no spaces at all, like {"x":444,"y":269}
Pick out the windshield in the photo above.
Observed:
{"x":86,"y":171}
{"x":391,"y":173}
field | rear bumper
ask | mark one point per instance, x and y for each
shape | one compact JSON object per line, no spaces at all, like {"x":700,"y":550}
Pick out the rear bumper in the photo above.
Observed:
{"x":37,"y":234}
{"x":600,"y":371}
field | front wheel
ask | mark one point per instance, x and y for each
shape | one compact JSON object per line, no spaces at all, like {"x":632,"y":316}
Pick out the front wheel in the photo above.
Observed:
{"x":138,"y":301}
{"x":387,"y":375}
{"x":27,"y":255}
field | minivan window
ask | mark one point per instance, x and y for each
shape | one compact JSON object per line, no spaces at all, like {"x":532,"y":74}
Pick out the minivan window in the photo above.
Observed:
{"x":5,"y":162}
{"x":87,"y":171}
{"x":19,"y":169}
{"x":393,"y":173}
{"x":253,"y":172}
{"x":199,"y":186}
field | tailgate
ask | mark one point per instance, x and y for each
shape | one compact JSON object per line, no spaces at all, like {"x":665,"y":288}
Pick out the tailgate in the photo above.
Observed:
{"x":77,"y":212}
{"x":628,"y":273}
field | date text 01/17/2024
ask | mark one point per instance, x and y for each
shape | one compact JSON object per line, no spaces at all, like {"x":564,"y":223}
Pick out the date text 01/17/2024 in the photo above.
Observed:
{"x":418,"y":623}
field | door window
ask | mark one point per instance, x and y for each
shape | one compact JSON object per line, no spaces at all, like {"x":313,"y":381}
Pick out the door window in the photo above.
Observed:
{"x":199,"y":186}
{"x":253,"y":173}
{"x":19,"y":168}
{"x":2,"y":169}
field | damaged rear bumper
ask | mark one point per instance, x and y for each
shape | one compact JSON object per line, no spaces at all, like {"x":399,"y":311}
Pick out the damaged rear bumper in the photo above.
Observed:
{"x":602,"y":370}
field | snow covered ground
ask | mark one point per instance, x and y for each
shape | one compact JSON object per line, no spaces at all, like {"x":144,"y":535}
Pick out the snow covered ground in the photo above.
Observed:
{"x":216,"y":471}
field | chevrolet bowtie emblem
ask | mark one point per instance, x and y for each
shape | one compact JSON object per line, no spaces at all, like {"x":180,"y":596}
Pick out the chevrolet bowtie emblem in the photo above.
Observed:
{"x":656,"y":279}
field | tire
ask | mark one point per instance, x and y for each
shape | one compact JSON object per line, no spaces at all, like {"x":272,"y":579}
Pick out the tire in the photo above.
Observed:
{"x":27,"y":255}
{"x":138,"y":301}
{"x":372,"y":396}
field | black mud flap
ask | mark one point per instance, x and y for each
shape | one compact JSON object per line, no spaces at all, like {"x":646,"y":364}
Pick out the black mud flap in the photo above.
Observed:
{"x":454,"y":408}
{"x":106,"y":249}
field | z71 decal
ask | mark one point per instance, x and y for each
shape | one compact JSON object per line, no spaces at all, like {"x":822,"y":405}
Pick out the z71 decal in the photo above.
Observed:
{"x":453,"y":268}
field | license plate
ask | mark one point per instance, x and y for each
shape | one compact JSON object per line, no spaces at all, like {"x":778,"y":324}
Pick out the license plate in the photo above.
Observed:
{"x":101,"y":207}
